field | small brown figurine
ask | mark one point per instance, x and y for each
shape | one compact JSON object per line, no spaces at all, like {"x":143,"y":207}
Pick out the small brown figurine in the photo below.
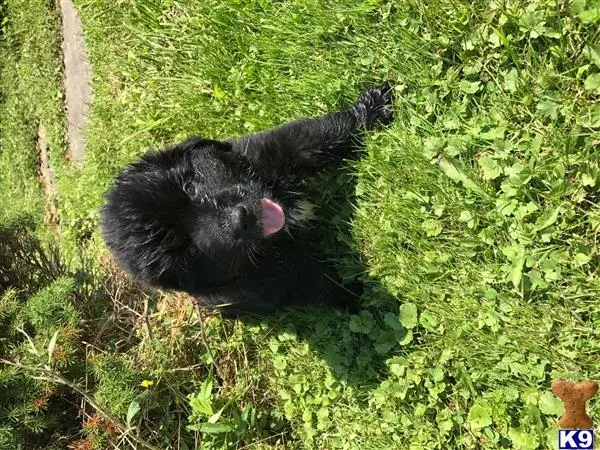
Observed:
{"x":574,"y":396}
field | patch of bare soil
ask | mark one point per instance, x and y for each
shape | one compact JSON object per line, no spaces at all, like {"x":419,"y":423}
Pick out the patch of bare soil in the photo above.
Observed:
{"x":47,"y":177}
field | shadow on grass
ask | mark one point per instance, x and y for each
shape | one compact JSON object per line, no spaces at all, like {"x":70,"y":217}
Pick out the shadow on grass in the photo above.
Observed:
{"x":354,"y":344}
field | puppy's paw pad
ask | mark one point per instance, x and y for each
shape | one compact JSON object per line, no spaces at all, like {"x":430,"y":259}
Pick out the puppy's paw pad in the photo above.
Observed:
{"x":385,"y":115}
{"x":374,"y":106}
{"x":385,"y":93}
{"x":377,"y":97}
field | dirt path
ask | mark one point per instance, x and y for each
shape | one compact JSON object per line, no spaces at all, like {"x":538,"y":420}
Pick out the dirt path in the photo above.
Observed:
{"x":47,"y":177}
{"x":77,"y":81}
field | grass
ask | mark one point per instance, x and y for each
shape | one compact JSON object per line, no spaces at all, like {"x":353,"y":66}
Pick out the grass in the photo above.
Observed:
{"x":473,"y":218}
{"x":30,"y":97}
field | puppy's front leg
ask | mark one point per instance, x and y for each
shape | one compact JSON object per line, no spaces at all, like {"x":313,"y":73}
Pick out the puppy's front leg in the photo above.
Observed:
{"x":305,"y":145}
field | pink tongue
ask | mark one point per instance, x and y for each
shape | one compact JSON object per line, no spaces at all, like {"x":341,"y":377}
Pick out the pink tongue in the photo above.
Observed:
{"x":273,"y":218}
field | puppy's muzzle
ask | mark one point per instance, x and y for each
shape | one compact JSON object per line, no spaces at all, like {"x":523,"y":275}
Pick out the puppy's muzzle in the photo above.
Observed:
{"x":243,"y":221}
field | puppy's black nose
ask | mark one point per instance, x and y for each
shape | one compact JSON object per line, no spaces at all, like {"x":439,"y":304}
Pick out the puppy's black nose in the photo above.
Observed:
{"x":242,"y":220}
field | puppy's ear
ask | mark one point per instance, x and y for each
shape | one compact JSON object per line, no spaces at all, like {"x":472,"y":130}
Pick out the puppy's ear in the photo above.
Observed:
{"x":198,"y":142}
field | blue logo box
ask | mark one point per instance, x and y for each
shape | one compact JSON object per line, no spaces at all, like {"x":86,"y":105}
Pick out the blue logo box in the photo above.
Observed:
{"x":575,"y":439}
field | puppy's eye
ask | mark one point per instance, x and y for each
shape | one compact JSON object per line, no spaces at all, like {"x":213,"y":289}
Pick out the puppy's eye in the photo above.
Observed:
{"x":193,"y":251}
{"x":190,"y":188}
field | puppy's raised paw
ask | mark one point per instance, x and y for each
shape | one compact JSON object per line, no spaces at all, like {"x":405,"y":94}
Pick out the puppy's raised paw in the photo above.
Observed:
{"x":373,"y":107}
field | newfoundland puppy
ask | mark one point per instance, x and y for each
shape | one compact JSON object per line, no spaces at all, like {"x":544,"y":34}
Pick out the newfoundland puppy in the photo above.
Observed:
{"x":226,"y":221}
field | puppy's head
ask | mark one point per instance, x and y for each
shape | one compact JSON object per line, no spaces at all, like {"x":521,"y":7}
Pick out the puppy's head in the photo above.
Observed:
{"x":189,"y":217}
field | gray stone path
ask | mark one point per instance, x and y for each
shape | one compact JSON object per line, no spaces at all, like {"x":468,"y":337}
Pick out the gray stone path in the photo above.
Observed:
{"x":76,"y":80}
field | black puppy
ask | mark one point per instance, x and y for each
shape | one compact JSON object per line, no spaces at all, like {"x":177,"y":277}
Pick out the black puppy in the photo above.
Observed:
{"x":225,"y":220}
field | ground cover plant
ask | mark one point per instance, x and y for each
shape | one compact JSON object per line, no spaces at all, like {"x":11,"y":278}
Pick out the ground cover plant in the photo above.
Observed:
{"x":473,"y":219}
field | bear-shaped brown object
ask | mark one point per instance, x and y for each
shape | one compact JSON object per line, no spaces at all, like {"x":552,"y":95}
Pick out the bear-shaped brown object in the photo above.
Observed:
{"x":574,"y":396}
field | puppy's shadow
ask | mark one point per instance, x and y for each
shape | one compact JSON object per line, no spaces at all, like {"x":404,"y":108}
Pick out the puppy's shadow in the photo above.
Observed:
{"x":350,"y":350}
